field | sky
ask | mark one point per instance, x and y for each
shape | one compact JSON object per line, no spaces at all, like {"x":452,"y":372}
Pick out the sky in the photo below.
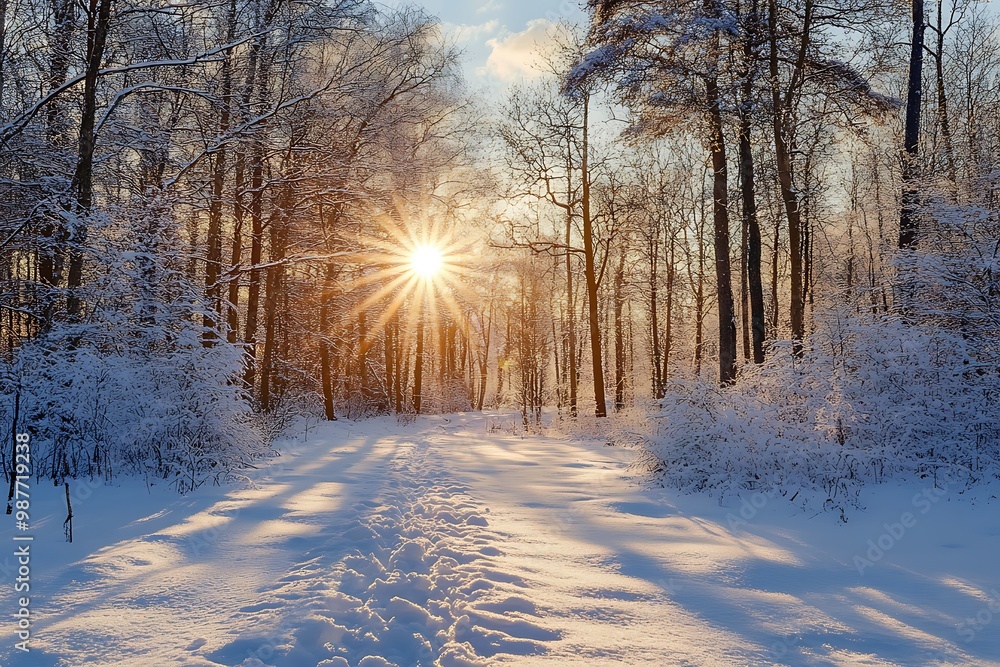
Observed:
{"x":500,"y":37}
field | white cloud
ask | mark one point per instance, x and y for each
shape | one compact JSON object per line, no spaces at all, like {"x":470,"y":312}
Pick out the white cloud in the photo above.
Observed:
{"x":518,"y":55}
{"x":471,"y":33}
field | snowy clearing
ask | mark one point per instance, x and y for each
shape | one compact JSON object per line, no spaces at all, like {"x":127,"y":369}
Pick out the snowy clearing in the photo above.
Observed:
{"x":450,"y":542}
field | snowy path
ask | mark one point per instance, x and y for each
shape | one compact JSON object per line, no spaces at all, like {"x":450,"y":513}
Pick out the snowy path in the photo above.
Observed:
{"x":443,"y":543}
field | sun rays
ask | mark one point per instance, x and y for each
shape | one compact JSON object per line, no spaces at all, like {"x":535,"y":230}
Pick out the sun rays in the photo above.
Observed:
{"x":421,"y":266}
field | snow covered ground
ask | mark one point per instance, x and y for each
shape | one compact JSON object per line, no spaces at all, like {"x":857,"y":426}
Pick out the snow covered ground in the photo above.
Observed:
{"x":455,"y":542}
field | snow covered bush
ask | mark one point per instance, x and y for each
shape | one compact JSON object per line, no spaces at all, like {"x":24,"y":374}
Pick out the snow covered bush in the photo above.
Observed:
{"x":132,"y":388}
{"x":870,"y":400}
{"x":875,"y":396}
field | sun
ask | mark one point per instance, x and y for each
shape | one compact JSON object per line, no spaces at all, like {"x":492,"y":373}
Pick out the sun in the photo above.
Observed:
{"x":426,"y":261}
{"x":414,"y":265}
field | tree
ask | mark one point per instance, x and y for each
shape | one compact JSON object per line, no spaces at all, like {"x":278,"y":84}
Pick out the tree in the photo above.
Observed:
{"x":548,"y":140}
{"x":751,"y":251}
{"x":672,"y":64}
{"x":911,"y":137}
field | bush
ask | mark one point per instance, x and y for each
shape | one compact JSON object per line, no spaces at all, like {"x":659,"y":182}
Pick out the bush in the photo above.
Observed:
{"x":132,"y":389}
{"x":871,"y":399}
{"x":874,"y":397}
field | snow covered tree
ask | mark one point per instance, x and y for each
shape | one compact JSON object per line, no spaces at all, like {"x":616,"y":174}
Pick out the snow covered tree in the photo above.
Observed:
{"x":669,"y":57}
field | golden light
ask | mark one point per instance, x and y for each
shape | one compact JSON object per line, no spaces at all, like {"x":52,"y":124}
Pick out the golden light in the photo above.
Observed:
{"x":415,"y":265}
{"x":426,"y":261}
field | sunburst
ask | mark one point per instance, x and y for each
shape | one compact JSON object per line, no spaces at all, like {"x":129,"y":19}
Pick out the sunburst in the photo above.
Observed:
{"x":426,"y":261}
{"x":421,"y":264}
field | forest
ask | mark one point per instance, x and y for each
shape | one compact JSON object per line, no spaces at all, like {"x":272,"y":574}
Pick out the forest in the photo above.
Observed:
{"x":760,"y":237}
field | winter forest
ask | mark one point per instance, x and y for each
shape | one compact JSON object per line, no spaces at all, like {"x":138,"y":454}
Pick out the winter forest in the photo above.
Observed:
{"x":754,"y":245}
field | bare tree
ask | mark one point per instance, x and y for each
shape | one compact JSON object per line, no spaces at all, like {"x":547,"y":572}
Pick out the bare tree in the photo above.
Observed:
{"x":673,"y":65}
{"x":548,"y":139}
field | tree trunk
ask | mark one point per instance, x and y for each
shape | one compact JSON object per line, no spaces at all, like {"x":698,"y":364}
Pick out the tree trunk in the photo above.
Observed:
{"x":213,"y":263}
{"x":699,"y":325}
{"x":571,"y":319}
{"x":775,"y":258}
{"x":720,"y":211}
{"x":754,"y":284}
{"x":50,"y":259}
{"x":744,"y":259}
{"x":654,"y":324}
{"x":484,"y":356}
{"x":256,"y":252}
{"x":326,"y":374}
{"x":389,"y":344}
{"x":942,"y":98}
{"x":273,"y":291}
{"x":591,"y":272}
{"x":560,"y":366}
{"x":668,"y":334}
{"x":481,"y":398}
{"x":236,"y":255}
{"x":783,"y":162}
{"x":98,"y":25}
{"x":911,"y":138}
{"x":397,"y":361}
{"x":753,"y":257}
{"x":620,"y":352}
{"x":418,"y":365}
{"x":213,"y":242}
{"x":256,"y":84}
{"x":363,"y":356}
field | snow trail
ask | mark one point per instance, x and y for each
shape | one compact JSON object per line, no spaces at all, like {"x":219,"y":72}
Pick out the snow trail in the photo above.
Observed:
{"x":400,"y":587}
{"x":452,"y":543}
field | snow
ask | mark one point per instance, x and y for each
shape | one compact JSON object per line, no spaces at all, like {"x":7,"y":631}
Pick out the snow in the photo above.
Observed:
{"x":370,"y":543}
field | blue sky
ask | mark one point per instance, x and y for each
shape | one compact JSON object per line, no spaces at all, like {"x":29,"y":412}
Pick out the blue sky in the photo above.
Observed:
{"x":500,"y":36}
